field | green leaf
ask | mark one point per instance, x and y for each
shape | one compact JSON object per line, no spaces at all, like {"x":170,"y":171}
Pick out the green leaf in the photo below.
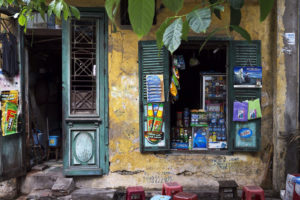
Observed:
{"x":265,"y":8}
{"x":199,"y":20}
{"x":160,"y":33}
{"x":236,"y":4}
{"x":219,"y":7}
{"x":141,"y":14}
{"x":185,"y":30}
{"x":111,"y":7}
{"x":42,"y":13}
{"x":242,"y":32}
{"x":173,"y":5}
{"x":172,"y":35}
{"x":75,"y":12}
{"x":58,"y":8}
{"x":50,"y":8}
{"x":66,"y":11}
{"x":235,"y":17}
{"x":10,"y":1}
{"x":22,"y":20}
{"x":1,"y":2}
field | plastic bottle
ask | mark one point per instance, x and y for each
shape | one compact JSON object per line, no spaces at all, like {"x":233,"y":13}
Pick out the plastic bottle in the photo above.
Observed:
{"x":223,"y":130}
{"x":219,"y":133}
{"x":190,"y":143}
{"x":186,"y":137}
{"x":214,"y":137}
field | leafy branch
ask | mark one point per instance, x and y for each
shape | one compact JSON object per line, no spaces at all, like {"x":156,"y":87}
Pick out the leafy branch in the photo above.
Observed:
{"x":175,"y":28}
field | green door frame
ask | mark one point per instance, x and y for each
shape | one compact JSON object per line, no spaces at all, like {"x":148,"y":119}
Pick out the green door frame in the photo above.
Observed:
{"x":82,"y":122}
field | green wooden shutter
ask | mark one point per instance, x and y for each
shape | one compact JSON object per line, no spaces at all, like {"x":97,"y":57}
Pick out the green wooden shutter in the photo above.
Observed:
{"x":242,"y":53}
{"x":153,"y":61}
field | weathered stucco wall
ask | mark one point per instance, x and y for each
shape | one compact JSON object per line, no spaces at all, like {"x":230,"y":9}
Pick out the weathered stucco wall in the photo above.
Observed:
{"x":128,"y":166}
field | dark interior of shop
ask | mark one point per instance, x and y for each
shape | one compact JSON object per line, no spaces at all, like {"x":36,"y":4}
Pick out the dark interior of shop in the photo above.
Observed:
{"x":211,"y":59}
{"x":44,"y":61}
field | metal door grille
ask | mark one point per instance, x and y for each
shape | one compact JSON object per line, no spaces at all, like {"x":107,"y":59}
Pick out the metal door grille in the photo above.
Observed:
{"x":83,"y":66}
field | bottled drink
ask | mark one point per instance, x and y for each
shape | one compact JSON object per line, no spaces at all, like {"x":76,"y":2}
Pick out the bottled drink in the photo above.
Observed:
{"x":190,"y":143}
{"x":186,"y":137}
{"x":223,"y":130}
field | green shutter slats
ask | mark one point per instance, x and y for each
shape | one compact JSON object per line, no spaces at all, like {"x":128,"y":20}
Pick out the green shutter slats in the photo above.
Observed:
{"x":153,"y":61}
{"x":242,"y":53}
{"x":246,"y":54}
{"x":242,"y":94}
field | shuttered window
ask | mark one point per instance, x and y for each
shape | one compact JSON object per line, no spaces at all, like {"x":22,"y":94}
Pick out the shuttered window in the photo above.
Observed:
{"x":152,"y":62}
{"x":242,"y":53}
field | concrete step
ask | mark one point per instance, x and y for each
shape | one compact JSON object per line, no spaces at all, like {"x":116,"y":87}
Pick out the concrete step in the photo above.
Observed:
{"x":93,"y":194}
{"x":41,"y":180}
{"x":63,"y":187}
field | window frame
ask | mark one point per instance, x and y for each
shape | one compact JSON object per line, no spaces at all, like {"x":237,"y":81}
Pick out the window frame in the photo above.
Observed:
{"x":230,"y":134}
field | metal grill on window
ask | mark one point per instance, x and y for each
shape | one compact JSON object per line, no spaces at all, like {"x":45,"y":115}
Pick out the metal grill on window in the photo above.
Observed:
{"x":83,"y":66}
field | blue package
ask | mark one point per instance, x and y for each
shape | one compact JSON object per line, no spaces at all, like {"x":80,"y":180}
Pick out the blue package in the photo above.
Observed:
{"x":199,"y":141}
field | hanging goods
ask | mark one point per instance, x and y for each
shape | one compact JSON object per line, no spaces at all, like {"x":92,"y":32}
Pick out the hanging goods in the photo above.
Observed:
{"x":155,"y":85}
{"x":150,"y":117}
{"x":174,"y":86}
{"x":9,"y":118}
{"x":194,"y":61}
{"x":178,"y":61}
{"x":9,"y":48}
{"x":254,"y":110}
{"x":158,"y":120}
{"x":240,"y":111}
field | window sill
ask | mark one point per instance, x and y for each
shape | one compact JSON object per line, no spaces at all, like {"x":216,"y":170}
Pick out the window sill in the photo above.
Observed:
{"x":209,"y":152}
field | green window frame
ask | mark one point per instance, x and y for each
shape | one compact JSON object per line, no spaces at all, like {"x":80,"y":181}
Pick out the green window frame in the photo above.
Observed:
{"x":153,"y":61}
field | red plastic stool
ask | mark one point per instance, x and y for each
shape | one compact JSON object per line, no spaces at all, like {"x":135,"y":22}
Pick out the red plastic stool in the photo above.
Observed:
{"x":249,"y":191}
{"x":137,"y":191}
{"x":171,"y":188}
{"x":185,"y":196}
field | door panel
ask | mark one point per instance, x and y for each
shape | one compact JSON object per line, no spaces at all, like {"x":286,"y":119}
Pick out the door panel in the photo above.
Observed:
{"x":84,"y":95}
{"x":12,"y":151}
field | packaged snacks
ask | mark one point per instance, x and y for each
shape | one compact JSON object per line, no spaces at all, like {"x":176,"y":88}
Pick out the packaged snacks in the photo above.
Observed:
{"x":254,"y":110}
{"x":240,"y":111}
{"x":150,"y":116}
{"x":10,"y":96}
{"x":155,"y":88}
{"x":179,"y":62}
{"x":9,"y":118}
{"x":158,"y":120}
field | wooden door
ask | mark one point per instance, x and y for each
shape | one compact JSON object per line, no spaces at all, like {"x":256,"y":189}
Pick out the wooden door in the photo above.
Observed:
{"x":85,"y":94}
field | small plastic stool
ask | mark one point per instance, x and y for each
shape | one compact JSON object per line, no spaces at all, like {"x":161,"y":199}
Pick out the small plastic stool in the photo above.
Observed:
{"x":135,"y":191}
{"x":161,"y":197}
{"x":185,"y":196}
{"x":228,"y":185}
{"x":249,"y":191}
{"x":171,"y":188}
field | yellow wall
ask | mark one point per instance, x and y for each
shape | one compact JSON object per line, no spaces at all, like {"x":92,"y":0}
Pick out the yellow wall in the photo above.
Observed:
{"x":127,"y":165}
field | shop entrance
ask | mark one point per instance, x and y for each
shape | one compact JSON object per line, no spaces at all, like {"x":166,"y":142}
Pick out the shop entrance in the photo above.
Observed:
{"x":44,"y":89}
{"x":198,"y":109}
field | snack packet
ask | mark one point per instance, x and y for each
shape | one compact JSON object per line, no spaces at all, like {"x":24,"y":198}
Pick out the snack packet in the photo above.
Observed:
{"x":9,"y":118}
